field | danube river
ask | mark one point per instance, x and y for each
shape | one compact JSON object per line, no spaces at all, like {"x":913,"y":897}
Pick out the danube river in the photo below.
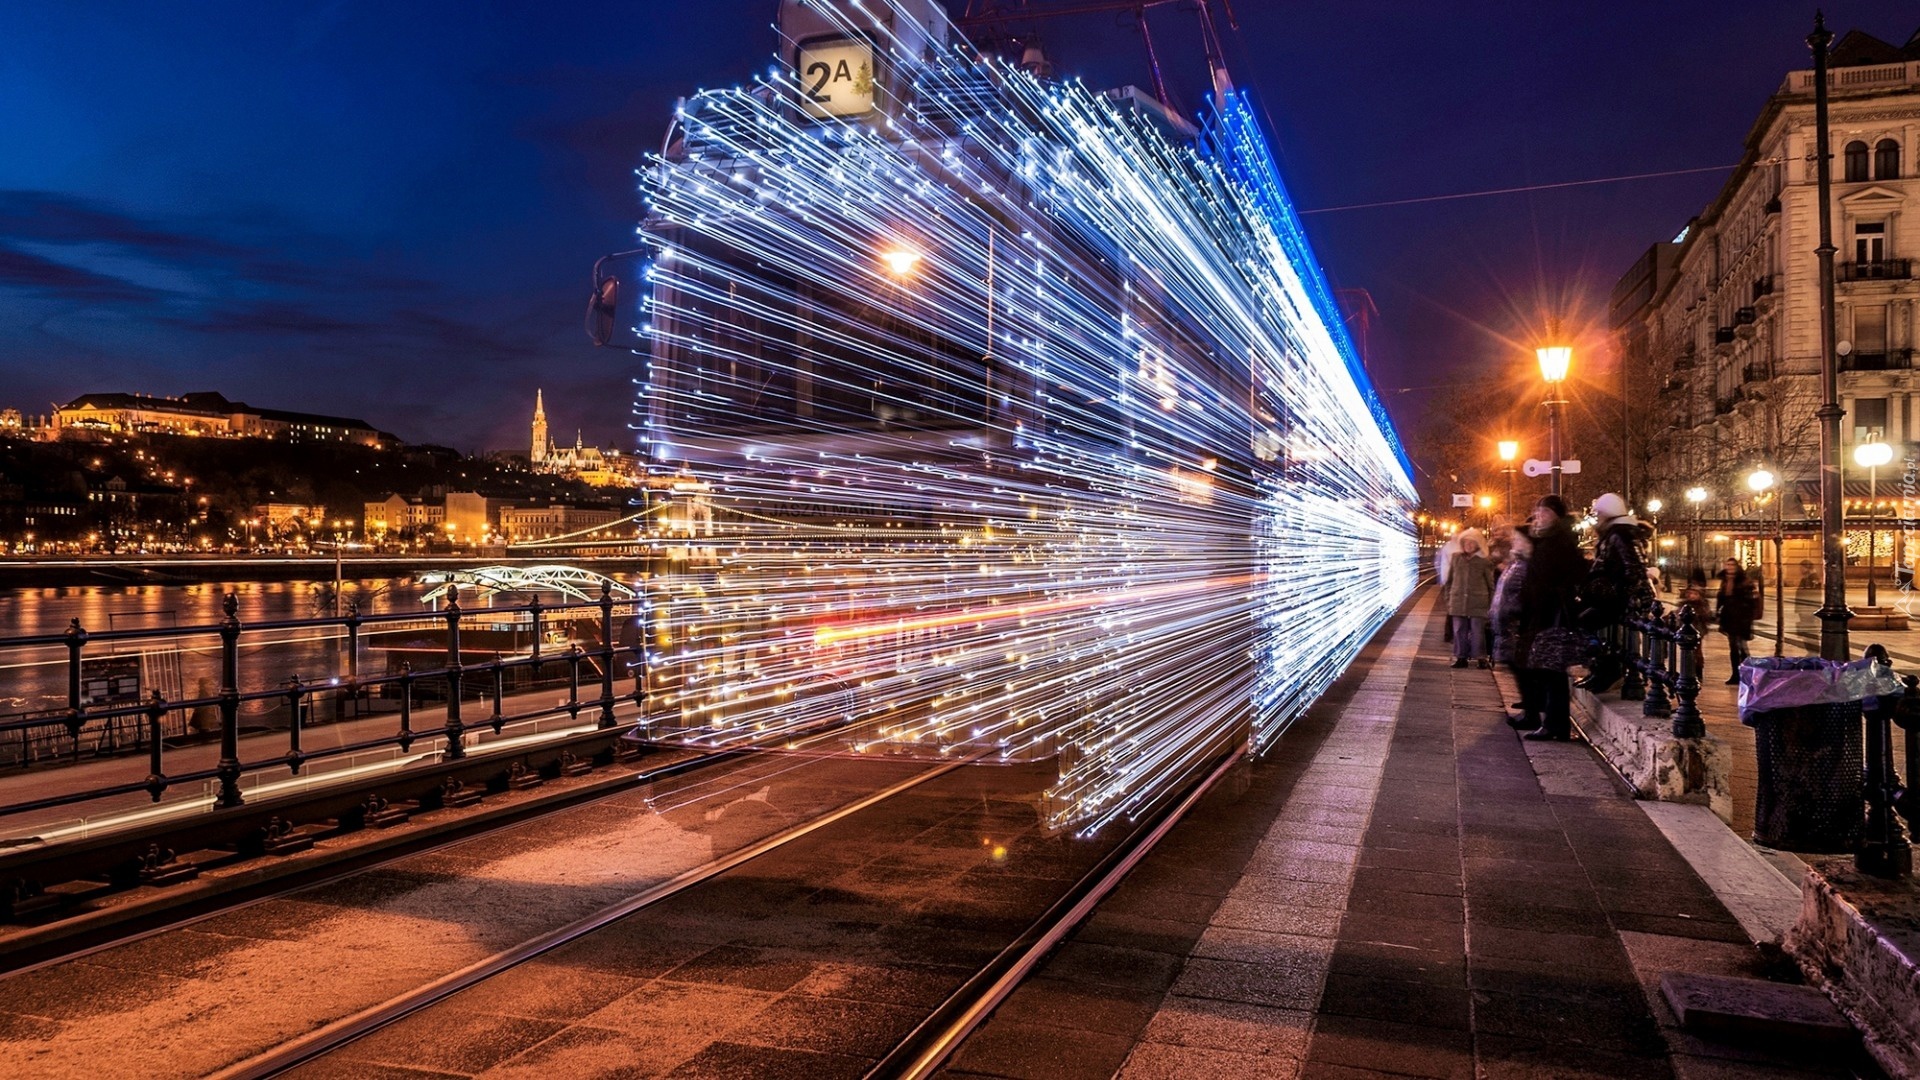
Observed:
{"x":33,"y":679}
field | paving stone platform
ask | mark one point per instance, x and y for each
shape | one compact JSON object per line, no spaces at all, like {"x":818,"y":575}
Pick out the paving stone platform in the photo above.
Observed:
{"x":1401,"y":888}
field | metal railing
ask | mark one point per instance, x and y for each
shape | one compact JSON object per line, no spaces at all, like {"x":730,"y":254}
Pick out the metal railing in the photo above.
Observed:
{"x":399,"y":694}
{"x":1885,"y":848}
{"x":1877,"y":270}
{"x":1660,"y":658}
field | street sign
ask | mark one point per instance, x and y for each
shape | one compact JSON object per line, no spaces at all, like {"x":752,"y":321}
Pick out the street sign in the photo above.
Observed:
{"x":1463,"y":500}
{"x":1536,"y":467}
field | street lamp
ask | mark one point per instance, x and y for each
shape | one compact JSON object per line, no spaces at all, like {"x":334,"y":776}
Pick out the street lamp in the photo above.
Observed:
{"x":1761,"y":480}
{"x":1872,"y":455}
{"x":1509,"y":450}
{"x":1554,"y":361}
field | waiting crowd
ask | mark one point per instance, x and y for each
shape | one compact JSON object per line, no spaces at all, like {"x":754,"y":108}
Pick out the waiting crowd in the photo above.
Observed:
{"x":1530,"y":599}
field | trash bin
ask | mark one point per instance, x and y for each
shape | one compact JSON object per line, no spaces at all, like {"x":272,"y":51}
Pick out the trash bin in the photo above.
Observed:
{"x":1805,"y":713}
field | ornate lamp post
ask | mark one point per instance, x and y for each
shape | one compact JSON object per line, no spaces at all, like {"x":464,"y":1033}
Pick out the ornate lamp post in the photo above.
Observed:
{"x":1695,"y":496}
{"x":1872,"y":455}
{"x":1761,"y":480}
{"x":1833,"y":612}
{"x":1509,"y":450}
{"x":1554,"y":361}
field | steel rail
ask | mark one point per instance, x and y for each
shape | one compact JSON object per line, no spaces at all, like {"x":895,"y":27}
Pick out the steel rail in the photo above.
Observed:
{"x":929,"y":1045}
{"x":325,"y":1039}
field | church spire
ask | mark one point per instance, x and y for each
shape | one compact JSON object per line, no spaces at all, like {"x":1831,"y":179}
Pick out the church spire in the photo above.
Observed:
{"x":538,"y":455}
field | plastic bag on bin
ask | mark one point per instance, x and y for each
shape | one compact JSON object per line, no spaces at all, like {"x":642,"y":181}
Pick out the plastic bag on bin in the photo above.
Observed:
{"x":1789,"y":682}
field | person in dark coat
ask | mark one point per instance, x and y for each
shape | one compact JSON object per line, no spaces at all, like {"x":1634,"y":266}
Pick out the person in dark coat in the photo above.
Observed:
{"x":1505,"y":611}
{"x":1734,"y":607}
{"x":1617,"y":585}
{"x":1554,"y":576}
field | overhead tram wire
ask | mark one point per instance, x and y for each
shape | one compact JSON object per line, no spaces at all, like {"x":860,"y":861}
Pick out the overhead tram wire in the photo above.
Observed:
{"x":1519,"y":190}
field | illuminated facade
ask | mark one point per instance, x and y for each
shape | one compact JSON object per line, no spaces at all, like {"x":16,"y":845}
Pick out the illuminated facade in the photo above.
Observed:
{"x":1021,"y":420}
{"x":211,"y":414}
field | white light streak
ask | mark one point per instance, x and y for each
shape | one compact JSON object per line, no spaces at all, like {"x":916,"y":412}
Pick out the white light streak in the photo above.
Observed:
{"x":1008,"y":424}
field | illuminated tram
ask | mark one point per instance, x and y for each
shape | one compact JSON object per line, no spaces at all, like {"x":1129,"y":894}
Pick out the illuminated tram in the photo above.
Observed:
{"x":989,"y":415}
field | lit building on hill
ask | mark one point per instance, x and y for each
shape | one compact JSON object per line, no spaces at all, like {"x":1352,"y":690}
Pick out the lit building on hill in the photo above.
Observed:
{"x":207,"y":413}
{"x":588,"y":464}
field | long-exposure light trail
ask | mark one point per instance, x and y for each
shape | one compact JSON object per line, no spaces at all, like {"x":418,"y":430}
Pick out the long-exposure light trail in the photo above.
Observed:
{"x":1002,"y":417}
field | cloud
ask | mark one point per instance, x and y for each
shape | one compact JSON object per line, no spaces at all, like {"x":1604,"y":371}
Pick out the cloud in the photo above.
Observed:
{"x":58,"y":280}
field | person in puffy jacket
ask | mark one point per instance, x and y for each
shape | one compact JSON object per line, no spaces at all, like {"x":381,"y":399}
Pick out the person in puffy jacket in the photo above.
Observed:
{"x":1617,"y":585}
{"x":1505,"y":615}
{"x":1469,"y":595}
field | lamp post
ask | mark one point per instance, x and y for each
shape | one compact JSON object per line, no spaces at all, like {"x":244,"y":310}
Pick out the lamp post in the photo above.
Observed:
{"x":1761,"y":480}
{"x":1695,"y":496}
{"x":1554,"y":361}
{"x":1872,"y":455}
{"x":1833,"y":612}
{"x":1509,"y":450}
{"x":1654,"y":506}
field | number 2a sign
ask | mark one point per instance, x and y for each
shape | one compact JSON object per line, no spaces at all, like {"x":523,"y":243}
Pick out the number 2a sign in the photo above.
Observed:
{"x":836,"y":78}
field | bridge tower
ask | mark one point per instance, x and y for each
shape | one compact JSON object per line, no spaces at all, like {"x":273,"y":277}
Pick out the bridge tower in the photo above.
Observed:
{"x":538,"y":456}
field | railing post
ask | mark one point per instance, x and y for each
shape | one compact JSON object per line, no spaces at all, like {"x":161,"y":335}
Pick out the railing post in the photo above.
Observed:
{"x":606,"y":654}
{"x":1686,"y":686}
{"x":455,"y":730}
{"x":156,"y":777}
{"x":228,"y":768}
{"x":1884,"y":851}
{"x":295,"y":755}
{"x":1633,"y":685}
{"x":353,"y":641}
{"x":76,"y":718}
{"x":1658,"y":647}
{"x":406,"y":705}
{"x":499,"y":720}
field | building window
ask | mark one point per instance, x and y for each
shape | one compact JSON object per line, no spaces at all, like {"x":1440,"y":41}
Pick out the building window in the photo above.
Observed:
{"x":1886,"y":160}
{"x":1869,"y":416}
{"x":1870,"y":331}
{"x":1856,"y":160}
{"x":1869,"y":241}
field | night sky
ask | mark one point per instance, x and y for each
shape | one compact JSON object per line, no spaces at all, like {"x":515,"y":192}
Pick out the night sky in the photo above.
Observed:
{"x":390,"y":210}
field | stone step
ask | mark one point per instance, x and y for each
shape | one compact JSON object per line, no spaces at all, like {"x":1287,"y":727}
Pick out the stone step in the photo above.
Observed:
{"x":1727,"y":1006}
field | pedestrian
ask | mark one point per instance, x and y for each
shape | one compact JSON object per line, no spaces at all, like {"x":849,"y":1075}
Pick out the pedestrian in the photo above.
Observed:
{"x":1616,"y":587}
{"x":1555,"y":573}
{"x":1694,"y":597}
{"x":1505,"y":614}
{"x":1469,"y":594}
{"x":1735,"y":606}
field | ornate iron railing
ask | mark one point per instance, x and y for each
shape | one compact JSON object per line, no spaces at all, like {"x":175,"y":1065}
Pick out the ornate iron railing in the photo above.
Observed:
{"x":461,"y":676}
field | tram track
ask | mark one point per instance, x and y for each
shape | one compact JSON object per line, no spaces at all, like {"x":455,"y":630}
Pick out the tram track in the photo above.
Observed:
{"x":917,"y":1051}
{"x":50,"y":945}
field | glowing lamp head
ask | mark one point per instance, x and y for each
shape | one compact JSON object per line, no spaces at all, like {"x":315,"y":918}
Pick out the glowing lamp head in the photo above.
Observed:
{"x":1654,"y":506}
{"x":1509,"y":450}
{"x":1486,"y":502}
{"x":1760,"y":479}
{"x":1554,"y":362}
{"x":901,"y":260}
{"x":1872,"y":455}
{"x":1696,"y":495}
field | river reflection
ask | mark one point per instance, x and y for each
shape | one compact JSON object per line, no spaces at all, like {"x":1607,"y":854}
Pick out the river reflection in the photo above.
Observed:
{"x":34,"y":679}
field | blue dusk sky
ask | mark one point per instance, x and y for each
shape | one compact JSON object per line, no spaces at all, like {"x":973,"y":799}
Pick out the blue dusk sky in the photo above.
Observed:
{"x":390,"y":210}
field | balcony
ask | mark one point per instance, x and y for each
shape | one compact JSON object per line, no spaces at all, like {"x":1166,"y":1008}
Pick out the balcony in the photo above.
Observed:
{"x":1723,"y":340}
{"x":1773,"y":205}
{"x":1684,"y":362}
{"x":1882,"y":270}
{"x":1763,"y":294}
{"x":1759,"y":372}
{"x":1896,"y":360}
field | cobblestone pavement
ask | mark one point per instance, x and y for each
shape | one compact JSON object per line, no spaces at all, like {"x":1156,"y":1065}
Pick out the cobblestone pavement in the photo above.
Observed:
{"x":1403,"y":888}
